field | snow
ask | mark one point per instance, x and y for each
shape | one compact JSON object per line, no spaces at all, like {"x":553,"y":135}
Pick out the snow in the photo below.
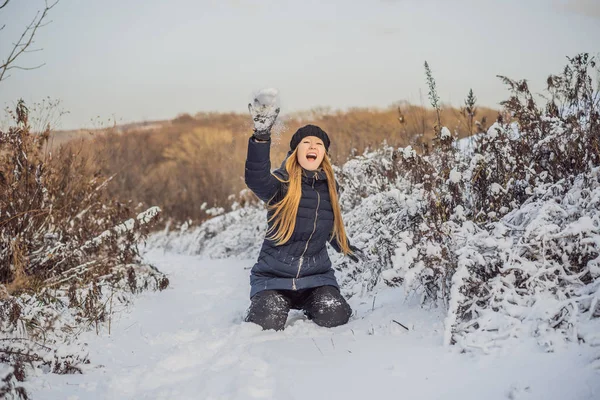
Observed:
{"x":142,"y":218}
{"x":189,"y":342}
{"x":408,"y":152}
{"x":268,"y":97}
{"x":467,"y":144}
{"x":493,"y":130}
{"x":455,"y":176}
{"x":458,"y":278}
{"x":496,"y":188}
{"x":445,"y":133}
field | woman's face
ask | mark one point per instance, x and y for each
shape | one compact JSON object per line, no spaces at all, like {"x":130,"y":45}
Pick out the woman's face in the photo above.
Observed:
{"x":311,"y":151}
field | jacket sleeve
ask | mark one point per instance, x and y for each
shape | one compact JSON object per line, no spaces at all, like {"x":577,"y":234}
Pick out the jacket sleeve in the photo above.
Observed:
{"x":258,"y":175}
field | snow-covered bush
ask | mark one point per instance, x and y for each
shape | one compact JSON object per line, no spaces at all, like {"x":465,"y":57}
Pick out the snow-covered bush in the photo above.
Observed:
{"x":65,"y":249}
{"x":237,"y":234}
{"x":517,"y":244}
{"x":534,"y":272}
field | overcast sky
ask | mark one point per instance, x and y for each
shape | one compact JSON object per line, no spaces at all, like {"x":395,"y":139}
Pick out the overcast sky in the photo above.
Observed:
{"x":148,"y":59}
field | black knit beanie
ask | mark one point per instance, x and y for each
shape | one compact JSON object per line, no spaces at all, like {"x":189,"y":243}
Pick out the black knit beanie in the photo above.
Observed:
{"x":309,"y":130}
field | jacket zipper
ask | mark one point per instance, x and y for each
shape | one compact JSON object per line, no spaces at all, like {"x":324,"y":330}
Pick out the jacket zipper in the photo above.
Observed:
{"x":311,"y":235}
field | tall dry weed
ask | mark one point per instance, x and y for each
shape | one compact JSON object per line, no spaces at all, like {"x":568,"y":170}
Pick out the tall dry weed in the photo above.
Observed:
{"x":194,"y":163}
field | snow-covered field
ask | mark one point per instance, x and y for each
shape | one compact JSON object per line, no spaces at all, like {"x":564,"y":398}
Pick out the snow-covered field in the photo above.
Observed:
{"x":189,"y":342}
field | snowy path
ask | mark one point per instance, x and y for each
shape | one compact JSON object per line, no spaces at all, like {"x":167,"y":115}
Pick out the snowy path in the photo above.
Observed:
{"x":189,"y":342}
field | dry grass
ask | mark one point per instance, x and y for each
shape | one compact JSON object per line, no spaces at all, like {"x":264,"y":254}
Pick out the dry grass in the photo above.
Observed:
{"x":19,"y":260}
{"x":181,"y":164}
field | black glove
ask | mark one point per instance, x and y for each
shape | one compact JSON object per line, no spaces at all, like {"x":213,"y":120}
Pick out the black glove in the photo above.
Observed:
{"x":357,"y":255}
{"x":264,"y":116}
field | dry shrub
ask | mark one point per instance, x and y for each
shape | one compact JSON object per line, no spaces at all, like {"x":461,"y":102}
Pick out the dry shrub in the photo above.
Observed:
{"x":60,"y":232}
{"x":19,"y":263}
{"x":194,"y":163}
{"x":507,"y":233}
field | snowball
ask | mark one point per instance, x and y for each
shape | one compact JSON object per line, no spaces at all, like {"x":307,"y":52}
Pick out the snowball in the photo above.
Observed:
{"x":268,"y":97}
{"x":266,"y":104}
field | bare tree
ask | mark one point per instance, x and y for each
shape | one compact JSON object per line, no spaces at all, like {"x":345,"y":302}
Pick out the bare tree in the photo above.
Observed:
{"x":25,"y":42}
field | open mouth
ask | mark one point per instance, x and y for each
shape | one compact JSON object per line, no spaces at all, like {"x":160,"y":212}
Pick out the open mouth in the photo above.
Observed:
{"x":311,"y":156}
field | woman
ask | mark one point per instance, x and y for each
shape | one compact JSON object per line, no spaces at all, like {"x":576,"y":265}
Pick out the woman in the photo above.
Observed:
{"x":293,"y":270}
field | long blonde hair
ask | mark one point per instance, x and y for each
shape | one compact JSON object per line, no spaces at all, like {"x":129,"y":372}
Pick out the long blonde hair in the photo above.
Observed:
{"x":286,"y":210}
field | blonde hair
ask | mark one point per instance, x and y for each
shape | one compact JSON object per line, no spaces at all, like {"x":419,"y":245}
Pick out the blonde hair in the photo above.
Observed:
{"x":286,"y":210}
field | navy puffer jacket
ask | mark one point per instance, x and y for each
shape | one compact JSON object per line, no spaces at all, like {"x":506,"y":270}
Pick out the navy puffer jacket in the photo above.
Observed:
{"x":302,"y":262}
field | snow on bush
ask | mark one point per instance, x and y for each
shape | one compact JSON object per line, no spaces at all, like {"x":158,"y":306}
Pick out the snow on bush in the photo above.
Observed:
{"x":515,"y":250}
{"x":534,"y":272}
{"x":238,"y":234}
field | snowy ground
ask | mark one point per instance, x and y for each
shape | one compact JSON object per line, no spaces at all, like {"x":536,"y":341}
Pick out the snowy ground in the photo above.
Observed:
{"x":189,"y":342}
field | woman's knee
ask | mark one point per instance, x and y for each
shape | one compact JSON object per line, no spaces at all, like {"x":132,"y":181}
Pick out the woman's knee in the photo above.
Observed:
{"x":269,"y":309}
{"x":332,"y":316}
{"x":328,"y":308}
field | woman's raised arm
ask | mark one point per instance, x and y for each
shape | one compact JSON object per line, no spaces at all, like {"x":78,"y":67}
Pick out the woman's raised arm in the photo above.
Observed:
{"x":258,"y":175}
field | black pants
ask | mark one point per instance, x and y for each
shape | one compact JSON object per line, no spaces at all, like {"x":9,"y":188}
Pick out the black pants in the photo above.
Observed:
{"x":324,"y":305}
